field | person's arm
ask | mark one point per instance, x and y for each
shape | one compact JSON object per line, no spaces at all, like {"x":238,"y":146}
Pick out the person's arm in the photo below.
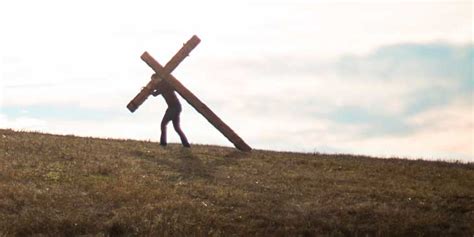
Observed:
{"x":157,"y":92}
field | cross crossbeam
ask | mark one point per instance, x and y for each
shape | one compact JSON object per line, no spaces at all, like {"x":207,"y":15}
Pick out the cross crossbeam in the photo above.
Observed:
{"x":169,"y":67}
{"x":165,"y":74}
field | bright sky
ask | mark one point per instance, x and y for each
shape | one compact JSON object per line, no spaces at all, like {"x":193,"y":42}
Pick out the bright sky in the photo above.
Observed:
{"x":383,"y":78}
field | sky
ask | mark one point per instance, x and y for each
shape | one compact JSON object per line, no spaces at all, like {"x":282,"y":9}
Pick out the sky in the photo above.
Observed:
{"x":379,"y":78}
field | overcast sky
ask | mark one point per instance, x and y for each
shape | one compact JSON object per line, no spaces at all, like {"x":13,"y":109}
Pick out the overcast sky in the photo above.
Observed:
{"x":383,"y":78}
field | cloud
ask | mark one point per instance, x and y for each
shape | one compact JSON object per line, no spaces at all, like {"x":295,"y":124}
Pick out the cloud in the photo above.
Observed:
{"x":440,"y":73}
{"x":61,"y":112}
{"x":375,"y":123}
{"x":22,"y":123}
{"x":433,"y":62}
{"x":364,"y":100}
{"x":443,"y":132}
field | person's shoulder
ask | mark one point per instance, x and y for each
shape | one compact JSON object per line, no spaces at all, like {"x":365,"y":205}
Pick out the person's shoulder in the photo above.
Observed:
{"x":166,"y":86}
{"x":160,"y":86}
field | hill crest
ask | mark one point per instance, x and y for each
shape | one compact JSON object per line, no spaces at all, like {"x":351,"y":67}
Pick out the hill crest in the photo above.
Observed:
{"x":67,"y":185}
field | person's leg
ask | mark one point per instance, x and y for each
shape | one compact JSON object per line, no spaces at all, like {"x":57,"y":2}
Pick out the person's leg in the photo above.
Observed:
{"x":180,"y":132}
{"x":166,"y":119}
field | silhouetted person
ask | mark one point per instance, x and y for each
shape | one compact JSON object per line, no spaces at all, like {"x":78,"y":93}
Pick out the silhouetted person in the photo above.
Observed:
{"x":172,"y":113}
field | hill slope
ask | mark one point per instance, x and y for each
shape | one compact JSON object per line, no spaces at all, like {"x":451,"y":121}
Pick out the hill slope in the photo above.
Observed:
{"x":66,"y":185}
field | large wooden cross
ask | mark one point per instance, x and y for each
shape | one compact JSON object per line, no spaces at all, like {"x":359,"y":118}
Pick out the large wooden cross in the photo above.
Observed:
{"x":165,"y":74}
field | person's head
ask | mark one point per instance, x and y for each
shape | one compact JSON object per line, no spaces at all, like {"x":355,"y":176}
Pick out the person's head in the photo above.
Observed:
{"x":155,"y":77}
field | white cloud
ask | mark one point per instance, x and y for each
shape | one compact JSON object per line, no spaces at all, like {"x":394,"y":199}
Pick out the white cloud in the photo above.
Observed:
{"x":23,"y":123}
{"x":446,"y":133}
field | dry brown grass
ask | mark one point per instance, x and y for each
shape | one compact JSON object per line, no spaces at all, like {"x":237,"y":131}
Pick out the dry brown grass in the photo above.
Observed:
{"x":65,"y":186}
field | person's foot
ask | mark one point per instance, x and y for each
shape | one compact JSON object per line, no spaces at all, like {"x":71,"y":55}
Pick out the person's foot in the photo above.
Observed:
{"x":163,"y":144}
{"x":186,"y":145}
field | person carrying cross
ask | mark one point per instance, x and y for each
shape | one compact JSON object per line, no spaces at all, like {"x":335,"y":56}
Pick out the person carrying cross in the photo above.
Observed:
{"x":172,"y":113}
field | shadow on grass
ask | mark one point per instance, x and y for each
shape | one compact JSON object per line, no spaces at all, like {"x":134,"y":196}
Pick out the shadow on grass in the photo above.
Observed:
{"x":191,"y":164}
{"x":237,"y":155}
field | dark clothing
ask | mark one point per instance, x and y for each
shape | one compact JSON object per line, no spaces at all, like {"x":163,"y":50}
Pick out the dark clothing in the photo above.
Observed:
{"x":168,"y":93}
{"x":171,"y":114}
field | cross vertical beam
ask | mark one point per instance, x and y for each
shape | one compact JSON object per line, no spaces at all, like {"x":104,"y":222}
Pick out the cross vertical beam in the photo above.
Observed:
{"x":163,"y":73}
{"x":169,"y":67}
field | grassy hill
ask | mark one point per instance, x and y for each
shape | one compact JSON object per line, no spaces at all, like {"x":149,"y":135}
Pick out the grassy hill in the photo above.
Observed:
{"x":65,"y":185}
